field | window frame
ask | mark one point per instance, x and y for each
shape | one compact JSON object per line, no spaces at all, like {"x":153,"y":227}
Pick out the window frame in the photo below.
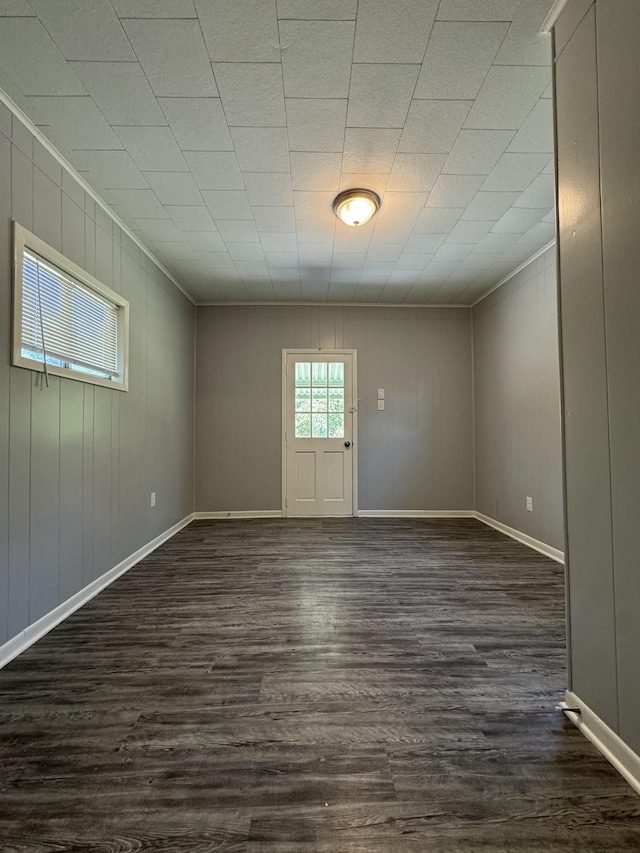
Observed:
{"x":25,"y":240}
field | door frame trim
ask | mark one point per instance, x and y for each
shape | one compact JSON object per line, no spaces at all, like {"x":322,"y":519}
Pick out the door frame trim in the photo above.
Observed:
{"x":354,"y":438}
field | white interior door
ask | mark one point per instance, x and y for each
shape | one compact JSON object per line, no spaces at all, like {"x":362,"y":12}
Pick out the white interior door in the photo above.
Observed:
{"x":319,"y":432}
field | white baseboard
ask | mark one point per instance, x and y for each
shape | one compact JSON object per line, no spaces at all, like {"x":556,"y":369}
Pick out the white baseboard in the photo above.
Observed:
{"x":614,"y":749}
{"x":240,"y":513}
{"x":416,"y":513}
{"x":536,"y":544}
{"x":16,"y":645}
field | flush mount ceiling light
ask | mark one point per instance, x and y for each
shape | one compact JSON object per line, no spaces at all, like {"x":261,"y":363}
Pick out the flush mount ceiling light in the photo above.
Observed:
{"x":355,"y":207}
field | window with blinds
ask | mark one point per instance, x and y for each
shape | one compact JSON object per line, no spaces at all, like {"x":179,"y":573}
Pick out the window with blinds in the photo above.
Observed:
{"x":65,"y":321}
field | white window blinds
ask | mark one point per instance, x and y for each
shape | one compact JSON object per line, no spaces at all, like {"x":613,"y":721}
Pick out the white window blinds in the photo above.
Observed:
{"x":65,"y":323}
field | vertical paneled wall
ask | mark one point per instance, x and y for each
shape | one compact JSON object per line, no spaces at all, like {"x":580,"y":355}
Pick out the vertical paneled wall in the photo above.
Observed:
{"x":417,"y":454}
{"x":77,"y":461}
{"x":598,"y":121}
{"x":518,"y":448}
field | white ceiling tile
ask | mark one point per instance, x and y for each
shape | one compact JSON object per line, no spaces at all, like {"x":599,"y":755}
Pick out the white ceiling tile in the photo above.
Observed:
{"x":457,"y":59}
{"x":287,"y":291}
{"x":282,"y":260}
{"x":343,"y":277}
{"x":376,"y":181}
{"x":245,"y":251}
{"x":315,"y":171}
{"x":138,"y":204}
{"x":402,"y":205}
{"x":215,"y":170}
{"x":477,"y":10}
{"x":315,"y":253}
{"x":84,"y":29}
{"x":253,"y":268}
{"x":517,"y":221}
{"x":173,"y":56}
{"x":114,"y":169}
{"x":549,"y":169}
{"x":316,"y":230}
{"x":413,"y":261}
{"x":198,"y":124}
{"x":78,"y":121}
{"x":269,"y":188}
{"x":536,"y":133}
{"x":454,"y":190}
{"x":549,"y":217}
{"x":415,"y":172}
{"x":548,"y":92}
{"x":228,"y":204}
{"x":107,"y":81}
{"x":15,"y":8}
{"x":158,"y":230}
{"x":261,"y":149}
{"x":479,"y":261}
{"x":389,"y":252}
{"x":215,"y":260}
{"x":452,"y":252}
{"x":154,"y":8}
{"x":525,"y":44}
{"x":489,"y":206}
{"x":507,"y":96}
{"x":496,"y":243}
{"x":278,"y":241}
{"x":401,"y":276}
{"x":316,"y":124}
{"x":351,"y":240}
{"x":437,"y":220}
{"x":191,"y":217}
{"x":322,"y":10}
{"x":393,"y":30}
{"x":205,"y":241}
{"x":237,"y":231}
{"x":540,"y":234}
{"x":175,"y":250}
{"x":251,"y":93}
{"x":469,"y":232}
{"x":274,"y":218}
{"x":258,"y":289}
{"x":424,"y":244}
{"x":244,"y":31}
{"x":347,"y":260}
{"x":380,"y":95}
{"x":539,"y":193}
{"x":391,"y":231}
{"x":514,"y":172}
{"x":317,"y":60}
{"x":153,"y":149}
{"x":174,"y":187}
{"x":476,"y":152}
{"x":370,"y":149}
{"x":433,"y":126}
{"x":437,"y":271}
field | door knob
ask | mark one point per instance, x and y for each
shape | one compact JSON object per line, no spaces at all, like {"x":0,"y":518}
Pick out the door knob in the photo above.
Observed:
{"x":347,"y":444}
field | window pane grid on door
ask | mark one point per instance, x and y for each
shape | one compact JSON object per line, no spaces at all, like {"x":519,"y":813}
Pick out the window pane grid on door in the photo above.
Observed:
{"x":319,"y":400}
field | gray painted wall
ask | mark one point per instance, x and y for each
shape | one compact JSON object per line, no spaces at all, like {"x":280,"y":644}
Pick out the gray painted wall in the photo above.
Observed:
{"x":518,"y":449}
{"x":598,"y":117}
{"x":78,"y":462}
{"x":417,"y":454}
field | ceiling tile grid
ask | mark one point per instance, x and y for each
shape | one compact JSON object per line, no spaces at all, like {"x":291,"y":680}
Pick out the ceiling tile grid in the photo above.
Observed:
{"x":220,"y":131}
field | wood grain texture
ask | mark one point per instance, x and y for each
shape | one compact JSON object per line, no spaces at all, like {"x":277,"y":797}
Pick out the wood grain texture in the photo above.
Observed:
{"x":325,"y":685}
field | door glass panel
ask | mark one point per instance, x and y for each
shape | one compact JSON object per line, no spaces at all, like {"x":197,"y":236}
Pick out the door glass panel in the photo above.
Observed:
{"x":319,"y":399}
{"x":303,"y":399}
{"x":319,"y":396}
{"x":336,"y":426}
{"x":319,"y":373}
{"x":303,"y":426}
{"x":303,"y":374}
{"x":336,"y":374}
{"x":319,"y":425}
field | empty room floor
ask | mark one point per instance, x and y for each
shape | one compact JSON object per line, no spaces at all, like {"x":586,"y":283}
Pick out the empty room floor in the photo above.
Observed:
{"x":332,"y":685}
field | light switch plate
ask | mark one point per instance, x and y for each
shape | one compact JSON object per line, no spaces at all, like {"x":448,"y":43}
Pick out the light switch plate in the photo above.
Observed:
{"x":380,"y":393}
{"x":381,"y":405}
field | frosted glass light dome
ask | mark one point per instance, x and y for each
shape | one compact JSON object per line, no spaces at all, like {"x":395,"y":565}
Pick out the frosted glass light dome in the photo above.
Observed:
{"x":356,"y":207}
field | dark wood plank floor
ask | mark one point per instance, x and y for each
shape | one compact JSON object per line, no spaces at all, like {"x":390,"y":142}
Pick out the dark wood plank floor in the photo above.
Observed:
{"x":336,"y":686}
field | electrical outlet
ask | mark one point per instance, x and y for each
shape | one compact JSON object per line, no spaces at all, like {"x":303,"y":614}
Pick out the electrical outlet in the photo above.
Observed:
{"x":153,"y":499}
{"x":530,"y":504}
